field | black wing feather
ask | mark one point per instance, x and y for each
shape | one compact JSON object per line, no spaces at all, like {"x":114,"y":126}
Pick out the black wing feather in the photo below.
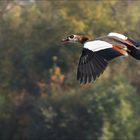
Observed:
{"x":92,"y":64}
{"x":90,"y":72}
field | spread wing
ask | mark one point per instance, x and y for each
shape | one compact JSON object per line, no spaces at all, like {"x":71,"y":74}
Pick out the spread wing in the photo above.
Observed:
{"x":92,"y":64}
{"x":133,"y":46}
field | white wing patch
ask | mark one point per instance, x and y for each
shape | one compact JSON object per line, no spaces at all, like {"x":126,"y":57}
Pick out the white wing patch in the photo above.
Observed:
{"x":118,"y":35}
{"x":97,"y":45}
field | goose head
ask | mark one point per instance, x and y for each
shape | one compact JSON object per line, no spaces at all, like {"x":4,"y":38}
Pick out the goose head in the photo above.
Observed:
{"x":75,"y":38}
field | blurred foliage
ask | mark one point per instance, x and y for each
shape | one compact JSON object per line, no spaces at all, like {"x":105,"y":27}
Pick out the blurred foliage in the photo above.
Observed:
{"x":39,"y":95}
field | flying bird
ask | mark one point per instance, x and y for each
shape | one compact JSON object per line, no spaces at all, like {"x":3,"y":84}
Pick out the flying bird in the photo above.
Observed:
{"x":97,"y":53}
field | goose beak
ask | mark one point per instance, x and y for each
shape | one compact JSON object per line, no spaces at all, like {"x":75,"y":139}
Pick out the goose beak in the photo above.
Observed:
{"x":64,"y":40}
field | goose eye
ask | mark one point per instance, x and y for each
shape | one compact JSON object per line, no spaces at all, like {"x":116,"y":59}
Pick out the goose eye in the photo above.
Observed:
{"x":71,"y":36}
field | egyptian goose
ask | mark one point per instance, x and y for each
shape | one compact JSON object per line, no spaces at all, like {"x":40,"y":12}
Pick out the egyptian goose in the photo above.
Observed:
{"x":97,"y":53}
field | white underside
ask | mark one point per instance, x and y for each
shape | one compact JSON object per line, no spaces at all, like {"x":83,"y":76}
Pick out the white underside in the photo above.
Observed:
{"x":97,"y":45}
{"x":118,"y":35}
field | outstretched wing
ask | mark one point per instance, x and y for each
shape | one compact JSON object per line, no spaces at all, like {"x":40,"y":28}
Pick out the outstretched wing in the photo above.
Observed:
{"x":92,"y":64}
{"x":133,"y":46}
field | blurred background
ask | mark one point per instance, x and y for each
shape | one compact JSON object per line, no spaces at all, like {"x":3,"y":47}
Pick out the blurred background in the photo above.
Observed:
{"x":40,"y":98}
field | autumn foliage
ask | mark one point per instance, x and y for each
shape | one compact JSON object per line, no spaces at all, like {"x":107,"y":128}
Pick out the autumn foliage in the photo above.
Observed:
{"x":40,"y":97}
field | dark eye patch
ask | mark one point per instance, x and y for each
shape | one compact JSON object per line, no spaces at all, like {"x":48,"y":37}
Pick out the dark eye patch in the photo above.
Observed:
{"x":71,"y":36}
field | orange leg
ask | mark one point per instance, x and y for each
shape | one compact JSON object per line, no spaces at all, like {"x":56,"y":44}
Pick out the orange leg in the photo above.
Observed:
{"x":120,"y":50}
